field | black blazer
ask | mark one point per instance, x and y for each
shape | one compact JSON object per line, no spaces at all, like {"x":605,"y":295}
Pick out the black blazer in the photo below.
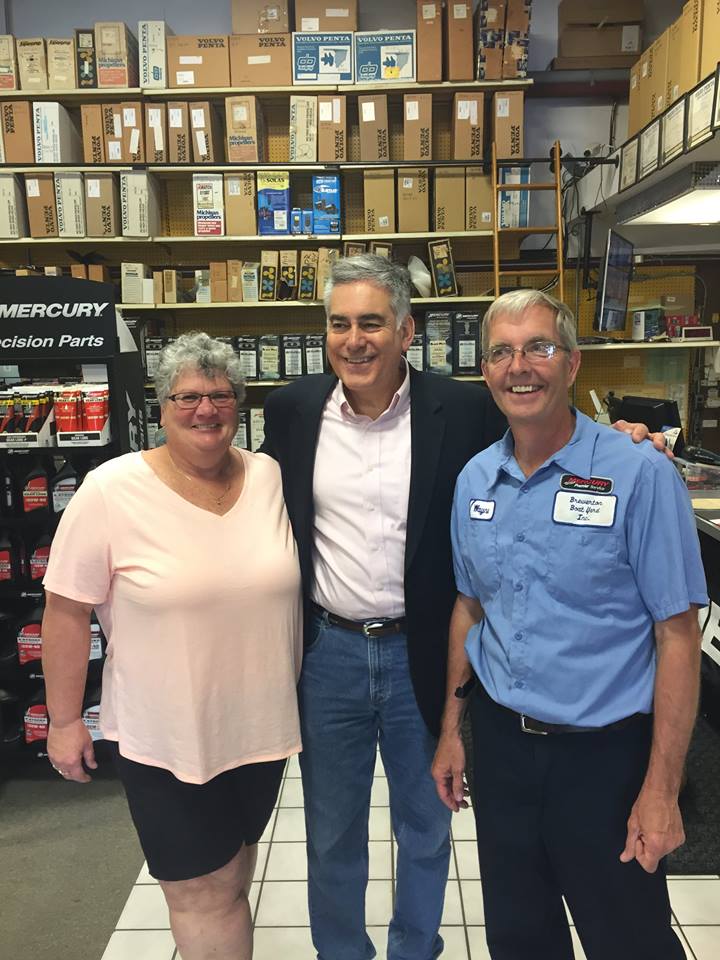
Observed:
{"x":450,"y":423}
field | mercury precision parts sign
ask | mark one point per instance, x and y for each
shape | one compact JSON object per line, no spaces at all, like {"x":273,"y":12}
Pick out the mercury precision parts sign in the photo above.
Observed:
{"x":56,"y":317}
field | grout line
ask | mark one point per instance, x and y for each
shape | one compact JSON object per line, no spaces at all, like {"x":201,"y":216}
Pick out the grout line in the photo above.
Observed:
{"x":686,"y":943}
{"x":453,"y":855}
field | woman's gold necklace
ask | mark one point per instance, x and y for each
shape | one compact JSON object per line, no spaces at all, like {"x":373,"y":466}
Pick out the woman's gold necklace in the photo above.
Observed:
{"x":218,"y":500}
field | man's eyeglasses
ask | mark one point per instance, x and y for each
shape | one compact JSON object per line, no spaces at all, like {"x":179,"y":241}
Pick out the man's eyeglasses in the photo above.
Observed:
{"x":537,"y":351}
{"x":218,"y":398}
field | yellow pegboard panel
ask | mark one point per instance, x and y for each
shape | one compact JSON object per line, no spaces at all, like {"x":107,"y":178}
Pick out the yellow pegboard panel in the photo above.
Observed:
{"x":225,"y":323}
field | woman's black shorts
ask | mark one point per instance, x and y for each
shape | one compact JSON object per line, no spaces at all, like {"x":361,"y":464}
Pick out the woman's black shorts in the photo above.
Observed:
{"x":187,"y":829}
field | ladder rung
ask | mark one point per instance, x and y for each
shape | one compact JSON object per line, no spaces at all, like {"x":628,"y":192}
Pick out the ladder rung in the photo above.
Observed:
{"x":528,"y":230}
{"x":533,"y":271}
{"x":524,"y":186}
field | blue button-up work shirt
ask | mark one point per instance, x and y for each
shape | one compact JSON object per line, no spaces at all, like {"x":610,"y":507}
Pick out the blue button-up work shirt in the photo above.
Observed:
{"x":573,"y":566}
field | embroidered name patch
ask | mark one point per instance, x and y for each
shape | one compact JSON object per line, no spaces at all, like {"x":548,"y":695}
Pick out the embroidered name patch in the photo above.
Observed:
{"x":601,"y":485}
{"x":482,"y":509}
{"x":584,"y":509}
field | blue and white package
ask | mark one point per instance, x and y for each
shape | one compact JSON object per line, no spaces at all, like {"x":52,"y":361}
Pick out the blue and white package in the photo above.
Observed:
{"x":326,"y":204}
{"x":273,"y":200}
{"x":323,"y":58}
{"x":384,"y":56}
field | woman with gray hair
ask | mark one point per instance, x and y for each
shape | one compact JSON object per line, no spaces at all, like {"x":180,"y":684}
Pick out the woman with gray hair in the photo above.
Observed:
{"x":187,"y":556}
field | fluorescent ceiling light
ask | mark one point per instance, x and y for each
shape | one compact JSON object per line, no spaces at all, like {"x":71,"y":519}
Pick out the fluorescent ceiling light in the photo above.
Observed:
{"x":689,"y":196}
{"x":697,"y":207}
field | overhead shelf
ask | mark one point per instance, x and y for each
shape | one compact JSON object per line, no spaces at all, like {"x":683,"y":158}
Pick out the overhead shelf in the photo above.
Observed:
{"x":267,"y":304}
{"x":585,"y":84}
{"x":674,"y":345}
{"x":284,"y":238}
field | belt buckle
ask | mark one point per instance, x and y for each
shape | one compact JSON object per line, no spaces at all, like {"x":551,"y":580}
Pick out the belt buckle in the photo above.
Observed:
{"x":525,"y":729}
{"x":369,"y":625}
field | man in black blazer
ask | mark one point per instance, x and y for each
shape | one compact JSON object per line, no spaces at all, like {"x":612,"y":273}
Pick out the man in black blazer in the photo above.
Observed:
{"x":369,"y":464}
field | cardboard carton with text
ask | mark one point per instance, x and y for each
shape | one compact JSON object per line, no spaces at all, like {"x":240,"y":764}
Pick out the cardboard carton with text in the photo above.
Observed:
{"x":32,"y":63}
{"x":92,"y":133}
{"x":102,"y":204}
{"x":413,"y":200}
{"x":240,"y":204}
{"x":198,"y":61}
{"x":244,"y":130}
{"x":261,"y":60}
{"x":116,"y":50}
{"x":16,"y":130}
{"x":379,"y":195}
{"x":41,"y":208}
{"x":467,"y":120}
{"x":417,"y":126}
{"x":156,"y":138}
{"x":332,"y":129}
{"x":508,"y":124}
{"x":429,"y":40}
{"x":61,"y":64}
{"x":449,"y":200}
{"x":178,"y":123}
{"x":374,"y":135}
{"x":459,"y":46}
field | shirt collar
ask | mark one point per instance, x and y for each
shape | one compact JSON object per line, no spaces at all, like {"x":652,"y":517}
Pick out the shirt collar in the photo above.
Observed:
{"x":399,"y":403}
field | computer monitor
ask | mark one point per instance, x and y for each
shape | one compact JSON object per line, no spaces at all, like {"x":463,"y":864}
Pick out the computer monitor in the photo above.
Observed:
{"x":656,"y":414}
{"x":612,"y":295}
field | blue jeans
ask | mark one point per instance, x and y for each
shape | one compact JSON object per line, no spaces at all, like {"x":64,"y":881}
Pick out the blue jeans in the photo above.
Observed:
{"x":356,"y":692}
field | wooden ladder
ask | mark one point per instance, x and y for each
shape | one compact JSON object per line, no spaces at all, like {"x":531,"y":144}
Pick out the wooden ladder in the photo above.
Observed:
{"x":529,"y":269}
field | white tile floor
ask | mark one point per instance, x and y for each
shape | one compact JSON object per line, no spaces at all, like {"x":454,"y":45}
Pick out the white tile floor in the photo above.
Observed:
{"x":278,"y":897}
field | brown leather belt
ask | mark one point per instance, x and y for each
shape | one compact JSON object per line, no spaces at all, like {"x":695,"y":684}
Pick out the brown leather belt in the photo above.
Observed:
{"x":374,"y":627}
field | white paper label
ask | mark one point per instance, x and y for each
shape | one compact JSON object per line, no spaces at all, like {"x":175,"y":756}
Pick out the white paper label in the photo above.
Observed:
{"x":384,"y":221}
{"x":460,"y":11}
{"x":326,"y":112}
{"x":310,"y":25}
{"x":202,"y":143}
{"x":340,"y":12}
{"x":272,"y":13}
{"x":185,"y":78}
{"x":280,"y":220}
{"x":107,"y":36}
{"x":368,"y":112}
{"x":254,"y":61}
{"x":32,"y":187}
{"x":644,"y":69}
{"x":93,"y":187}
{"x":198,"y":118}
{"x":412,"y":110}
{"x":240,"y":113}
{"x":407,"y":183}
{"x":174,"y":118}
{"x":128,"y":116}
{"x":158,"y":135}
{"x":466,"y":353}
{"x":134,"y":141}
{"x":429,"y":11}
{"x":336,"y":109}
{"x":114,"y":150}
{"x":491,"y":15}
{"x":502,"y":107}
{"x":584,"y":509}
{"x":233,"y":185}
{"x":463,"y":110}
{"x":195,"y":59}
{"x":482,"y":509}
{"x":117,"y":126}
{"x":486,"y":216}
{"x":630,"y":42}
{"x":154,"y":117}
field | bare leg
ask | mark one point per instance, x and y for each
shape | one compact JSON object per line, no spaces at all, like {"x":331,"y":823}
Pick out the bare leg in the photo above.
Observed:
{"x":210,"y":915}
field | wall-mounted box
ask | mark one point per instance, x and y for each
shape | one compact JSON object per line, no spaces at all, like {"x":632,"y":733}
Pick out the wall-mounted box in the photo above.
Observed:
{"x":322,"y":58}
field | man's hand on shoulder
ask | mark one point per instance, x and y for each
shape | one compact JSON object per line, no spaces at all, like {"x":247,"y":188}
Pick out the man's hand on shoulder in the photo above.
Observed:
{"x":448,"y":770}
{"x":655,"y":828}
{"x":639,"y":432}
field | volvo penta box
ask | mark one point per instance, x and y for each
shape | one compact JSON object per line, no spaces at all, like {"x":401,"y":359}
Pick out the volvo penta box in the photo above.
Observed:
{"x":69,"y":201}
{"x":57,"y":140}
{"x":324,"y":58}
{"x":153,"y":56}
{"x":140,"y":207}
{"x":384,"y":56}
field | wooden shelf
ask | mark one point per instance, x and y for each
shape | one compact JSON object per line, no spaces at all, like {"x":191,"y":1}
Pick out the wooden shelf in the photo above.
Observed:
{"x":438,"y":235}
{"x":72,"y":96}
{"x":674,"y":345}
{"x":265,"y":304}
{"x":288,"y":238}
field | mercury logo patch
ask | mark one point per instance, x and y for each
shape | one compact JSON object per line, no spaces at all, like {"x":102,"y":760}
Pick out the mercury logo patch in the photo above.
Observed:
{"x":601,"y":485}
{"x":482,"y":509}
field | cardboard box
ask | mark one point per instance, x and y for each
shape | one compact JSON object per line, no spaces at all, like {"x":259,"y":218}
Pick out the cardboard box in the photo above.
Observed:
{"x":514,"y":205}
{"x":250,"y":280}
{"x":594,"y":12}
{"x":373,"y":120}
{"x":273,"y":202}
{"x":92,"y":133}
{"x":710,"y":48}
{"x":269,"y":269}
{"x":449,"y":200}
{"x":417,"y":126}
{"x":261,"y":60}
{"x":324,"y":58}
{"x":234,"y":272}
{"x":332,"y":129}
{"x":288,"y":280}
{"x":690,"y":44}
{"x":8,"y":64}
{"x":198,"y":61}
{"x":634,"y":100}
{"x":17,"y":131}
{"x":207,"y":134}
{"x":61,"y":65}
{"x":131,"y":281}
{"x":79,"y":272}
{"x":517,"y":39}
{"x":102,"y":205}
{"x":112,"y":132}
{"x":255,"y":16}
{"x":384,"y":56}
{"x":479,"y":200}
{"x":459,"y":41}
{"x":308,"y":274}
{"x":218,"y":281}
{"x":240,"y":211}
{"x":70,"y":203}
{"x":133,"y":133}
{"x":379,"y":193}
{"x":325,"y":16}
{"x":86,"y":60}
{"x":596,"y":42}
{"x":674,"y":67}
{"x":41,"y":208}
{"x":13,"y":215}
{"x":116,"y":51}
{"x":413,"y":200}
{"x":157,"y":284}
{"x":489,"y":39}
{"x":303,"y":129}
{"x":139,"y":205}
{"x":202,"y":286}
{"x":208,"y":207}
{"x":245,"y":130}
{"x":659,"y":75}
{"x":156,"y":139}
{"x":624,"y":60}
{"x":153,"y":53}
{"x":32,"y":63}
{"x":179,"y":148}
{"x":57,"y":139}
{"x":468,"y":110}
{"x":428,"y":39}
{"x":169,"y":286}
{"x":507,"y":113}
{"x":326,"y":204}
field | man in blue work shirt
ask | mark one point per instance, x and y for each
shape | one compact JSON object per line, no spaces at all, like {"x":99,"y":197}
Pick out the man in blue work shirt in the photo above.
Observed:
{"x":579,"y":577}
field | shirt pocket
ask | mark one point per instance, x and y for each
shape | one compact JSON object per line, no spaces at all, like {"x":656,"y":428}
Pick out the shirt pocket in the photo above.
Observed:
{"x":582,"y":563}
{"x":482,"y":558}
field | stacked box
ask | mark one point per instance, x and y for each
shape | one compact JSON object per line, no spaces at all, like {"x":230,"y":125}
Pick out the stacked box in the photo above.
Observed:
{"x":383,"y":56}
{"x":116,"y":50}
{"x":489,"y":39}
{"x":273,"y":198}
{"x":208,"y":209}
{"x":326,"y":204}
{"x":322,"y":58}
{"x":86,"y":58}
{"x":517,"y":39}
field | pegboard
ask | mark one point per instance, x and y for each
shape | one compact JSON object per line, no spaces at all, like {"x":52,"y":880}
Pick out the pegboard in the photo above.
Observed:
{"x":245,"y":320}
